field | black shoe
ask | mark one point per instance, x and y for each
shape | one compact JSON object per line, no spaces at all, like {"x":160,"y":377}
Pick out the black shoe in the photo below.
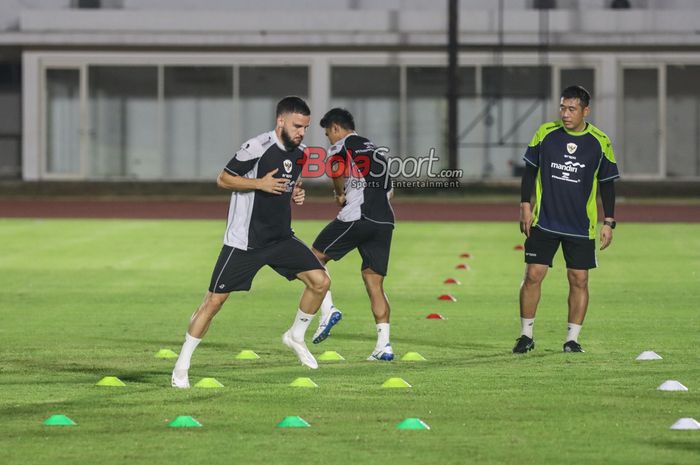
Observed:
{"x":572,"y":346}
{"x":524,"y":345}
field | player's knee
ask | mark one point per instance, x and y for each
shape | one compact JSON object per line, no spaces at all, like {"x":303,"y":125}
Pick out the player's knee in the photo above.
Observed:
{"x":578,"y":280}
{"x":373,"y":281}
{"x":214,"y":302}
{"x":320,"y":282}
{"x":533,"y":278}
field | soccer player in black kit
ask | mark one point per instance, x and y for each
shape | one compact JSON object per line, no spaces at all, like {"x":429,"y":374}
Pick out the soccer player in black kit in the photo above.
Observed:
{"x":365,"y":223}
{"x":263,"y":176}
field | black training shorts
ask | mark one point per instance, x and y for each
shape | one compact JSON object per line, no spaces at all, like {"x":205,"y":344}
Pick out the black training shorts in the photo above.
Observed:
{"x":236,"y":268}
{"x":541,"y":246}
{"x":373,"y":240}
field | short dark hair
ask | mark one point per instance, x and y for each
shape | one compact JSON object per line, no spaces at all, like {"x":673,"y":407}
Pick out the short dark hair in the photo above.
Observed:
{"x":577,"y":92}
{"x":339,"y":116}
{"x":292,"y":104}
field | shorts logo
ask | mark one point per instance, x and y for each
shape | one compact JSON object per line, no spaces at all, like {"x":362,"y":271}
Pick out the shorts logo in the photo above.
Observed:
{"x":222,"y":286}
{"x":287,"y":165}
{"x":571,"y":147}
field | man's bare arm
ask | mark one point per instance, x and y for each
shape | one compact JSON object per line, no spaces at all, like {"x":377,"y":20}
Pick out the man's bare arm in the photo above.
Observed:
{"x":268,"y":183}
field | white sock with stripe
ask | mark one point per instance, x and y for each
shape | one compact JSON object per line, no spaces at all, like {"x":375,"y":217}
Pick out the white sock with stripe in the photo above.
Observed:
{"x":572,"y":332}
{"x":526,"y":325}
{"x":301,"y":324}
{"x":382,"y":335}
{"x":326,"y":305}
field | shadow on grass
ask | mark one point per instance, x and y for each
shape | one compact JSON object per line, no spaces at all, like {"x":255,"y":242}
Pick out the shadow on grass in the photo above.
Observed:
{"x":174,"y":344}
{"x":107,"y":399}
{"x":687,"y":443}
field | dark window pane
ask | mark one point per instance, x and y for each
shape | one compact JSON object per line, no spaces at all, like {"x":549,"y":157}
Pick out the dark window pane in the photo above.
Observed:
{"x":683,"y":121}
{"x":432,"y":82}
{"x":683,"y":81}
{"x":517,"y":81}
{"x":274,"y":81}
{"x":120,"y":81}
{"x":260,"y":90}
{"x":62,"y":121}
{"x":640,"y":122}
{"x":371,"y":94}
{"x":198,"y":120}
{"x":124,"y":121}
{"x":584,"y":77}
{"x":368,"y":81}
{"x":640,"y":83}
{"x":205,"y":81}
{"x":10,"y":75}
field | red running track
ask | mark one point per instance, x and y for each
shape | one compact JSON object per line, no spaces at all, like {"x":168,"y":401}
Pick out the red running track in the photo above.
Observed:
{"x":314,"y":209}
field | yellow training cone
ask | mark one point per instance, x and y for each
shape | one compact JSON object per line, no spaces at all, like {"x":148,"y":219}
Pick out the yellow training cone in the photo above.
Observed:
{"x":330,"y":355}
{"x":247,"y":355}
{"x":165,"y":353}
{"x":110,"y":381}
{"x":303,"y":382}
{"x":396,"y":383}
{"x":210,"y":383}
{"x":413,"y":357}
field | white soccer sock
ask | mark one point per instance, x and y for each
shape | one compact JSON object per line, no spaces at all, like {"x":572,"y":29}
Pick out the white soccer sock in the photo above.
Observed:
{"x":301,"y":323}
{"x":382,"y":335}
{"x":526,"y":325}
{"x":572,"y":334}
{"x":327,"y":304}
{"x":183,"y":361}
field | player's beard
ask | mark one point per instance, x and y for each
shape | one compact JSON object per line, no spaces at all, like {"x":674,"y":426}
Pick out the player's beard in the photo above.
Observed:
{"x":289,"y":144}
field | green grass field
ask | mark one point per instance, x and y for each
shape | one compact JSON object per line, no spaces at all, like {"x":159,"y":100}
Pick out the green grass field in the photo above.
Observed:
{"x":85,"y":299}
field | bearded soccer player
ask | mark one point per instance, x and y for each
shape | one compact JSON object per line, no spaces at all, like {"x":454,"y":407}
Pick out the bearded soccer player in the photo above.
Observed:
{"x":263,"y":176}
{"x":566,"y":161}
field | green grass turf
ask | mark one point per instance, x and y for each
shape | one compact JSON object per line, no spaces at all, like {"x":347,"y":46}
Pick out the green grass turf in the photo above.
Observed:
{"x":80,"y":300}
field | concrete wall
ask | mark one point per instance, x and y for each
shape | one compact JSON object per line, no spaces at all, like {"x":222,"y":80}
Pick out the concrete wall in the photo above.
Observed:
{"x":407,"y":28}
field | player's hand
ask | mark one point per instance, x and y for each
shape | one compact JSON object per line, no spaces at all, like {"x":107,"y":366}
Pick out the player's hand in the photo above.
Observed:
{"x":525,"y":218}
{"x":606,"y":235}
{"x":273,"y":185}
{"x":298,"y":194}
{"x":340,"y":199}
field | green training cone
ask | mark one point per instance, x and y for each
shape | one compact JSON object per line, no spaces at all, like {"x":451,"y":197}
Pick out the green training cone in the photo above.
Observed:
{"x":110,"y":381}
{"x":184,"y":422}
{"x":412,"y":423}
{"x":413,"y":357}
{"x":208,"y":383}
{"x":58,"y":420}
{"x":330,"y":355}
{"x":303,"y":382}
{"x":396,"y":383}
{"x":165,"y":353}
{"x":247,"y":355}
{"x":293,"y":422}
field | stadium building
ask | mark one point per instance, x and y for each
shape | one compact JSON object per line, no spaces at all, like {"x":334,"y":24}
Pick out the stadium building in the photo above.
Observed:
{"x":142,"y":90}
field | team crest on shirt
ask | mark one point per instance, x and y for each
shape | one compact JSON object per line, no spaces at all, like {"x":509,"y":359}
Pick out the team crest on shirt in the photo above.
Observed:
{"x":287,"y":166}
{"x":571,"y":147}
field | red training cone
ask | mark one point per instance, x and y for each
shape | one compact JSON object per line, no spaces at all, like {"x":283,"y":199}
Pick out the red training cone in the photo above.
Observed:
{"x":519,"y":247}
{"x":435,"y":316}
{"x":465,"y":255}
{"x":451,"y":281}
{"x":449,"y":297}
{"x":462,"y":266}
